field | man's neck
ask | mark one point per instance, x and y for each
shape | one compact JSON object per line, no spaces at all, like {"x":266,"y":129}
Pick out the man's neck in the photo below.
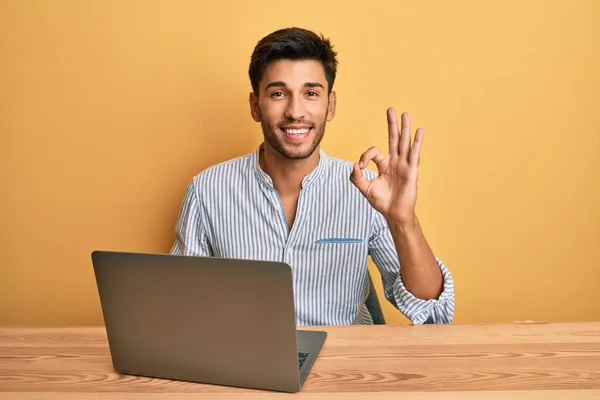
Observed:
{"x":287,"y":174}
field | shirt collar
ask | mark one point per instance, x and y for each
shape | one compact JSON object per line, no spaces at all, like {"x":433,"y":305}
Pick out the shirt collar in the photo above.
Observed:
{"x":313,"y":176}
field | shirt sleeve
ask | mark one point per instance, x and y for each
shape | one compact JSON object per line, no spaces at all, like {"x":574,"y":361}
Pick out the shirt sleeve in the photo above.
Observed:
{"x":383,"y":253}
{"x":190,"y":232}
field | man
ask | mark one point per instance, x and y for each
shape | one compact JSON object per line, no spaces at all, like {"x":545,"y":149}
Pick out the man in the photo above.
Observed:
{"x":289,"y":201}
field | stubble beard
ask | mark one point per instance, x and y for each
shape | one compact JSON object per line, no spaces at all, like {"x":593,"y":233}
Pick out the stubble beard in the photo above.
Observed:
{"x":277,"y":144}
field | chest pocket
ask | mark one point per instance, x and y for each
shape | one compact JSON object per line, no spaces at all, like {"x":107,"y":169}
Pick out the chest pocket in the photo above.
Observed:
{"x":338,"y":240}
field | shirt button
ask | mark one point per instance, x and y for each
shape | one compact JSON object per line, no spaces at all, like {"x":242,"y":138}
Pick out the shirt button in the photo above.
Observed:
{"x":276,"y":207}
{"x":289,"y":250}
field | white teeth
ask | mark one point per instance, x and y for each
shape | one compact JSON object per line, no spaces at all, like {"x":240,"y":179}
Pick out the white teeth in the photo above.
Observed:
{"x":296,"y":131}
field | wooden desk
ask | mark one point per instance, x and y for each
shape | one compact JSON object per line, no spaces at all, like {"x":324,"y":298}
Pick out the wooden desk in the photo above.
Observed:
{"x":498,"y":361}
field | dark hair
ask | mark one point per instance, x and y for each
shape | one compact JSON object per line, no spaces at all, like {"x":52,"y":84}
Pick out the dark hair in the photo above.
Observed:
{"x":292,"y":44}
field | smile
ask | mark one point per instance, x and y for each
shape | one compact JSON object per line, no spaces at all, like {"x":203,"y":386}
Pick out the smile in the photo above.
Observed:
{"x":296,"y":132}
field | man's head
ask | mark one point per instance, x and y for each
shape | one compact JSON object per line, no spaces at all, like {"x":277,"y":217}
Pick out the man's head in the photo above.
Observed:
{"x":292,"y":72}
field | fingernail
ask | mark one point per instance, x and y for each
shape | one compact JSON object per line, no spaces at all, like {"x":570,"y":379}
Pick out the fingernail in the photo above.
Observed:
{"x":361,"y":164}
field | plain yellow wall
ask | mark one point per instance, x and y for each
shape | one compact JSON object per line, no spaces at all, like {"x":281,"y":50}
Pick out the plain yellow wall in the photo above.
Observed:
{"x":108,"y":108}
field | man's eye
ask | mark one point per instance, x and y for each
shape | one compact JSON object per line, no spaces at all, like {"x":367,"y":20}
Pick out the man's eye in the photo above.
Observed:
{"x":312,"y":94}
{"x":277,"y":94}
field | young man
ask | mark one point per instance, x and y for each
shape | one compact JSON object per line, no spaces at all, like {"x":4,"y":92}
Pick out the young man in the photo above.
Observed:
{"x":289,"y":201}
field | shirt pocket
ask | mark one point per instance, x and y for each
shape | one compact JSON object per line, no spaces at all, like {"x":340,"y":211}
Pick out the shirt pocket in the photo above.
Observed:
{"x":338,"y":240}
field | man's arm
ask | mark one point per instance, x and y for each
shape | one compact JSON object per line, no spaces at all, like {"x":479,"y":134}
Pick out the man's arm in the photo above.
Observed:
{"x":420,"y":271}
{"x":190,"y":231}
{"x":412,"y":277}
{"x":419,"y":309}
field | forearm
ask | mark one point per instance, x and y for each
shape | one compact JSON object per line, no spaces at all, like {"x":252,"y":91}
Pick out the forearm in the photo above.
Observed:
{"x":419,"y":269}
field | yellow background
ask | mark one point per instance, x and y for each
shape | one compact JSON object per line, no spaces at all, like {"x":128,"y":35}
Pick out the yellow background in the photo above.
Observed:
{"x":108,"y":108}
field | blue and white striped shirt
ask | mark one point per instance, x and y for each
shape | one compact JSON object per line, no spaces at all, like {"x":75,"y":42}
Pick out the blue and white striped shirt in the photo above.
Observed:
{"x":232,"y":210}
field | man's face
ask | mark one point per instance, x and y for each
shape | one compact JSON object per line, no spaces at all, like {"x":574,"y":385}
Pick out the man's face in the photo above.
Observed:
{"x":293,"y":106}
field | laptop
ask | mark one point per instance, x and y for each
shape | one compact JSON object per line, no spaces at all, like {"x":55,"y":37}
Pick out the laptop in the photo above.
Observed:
{"x":203,"y":319}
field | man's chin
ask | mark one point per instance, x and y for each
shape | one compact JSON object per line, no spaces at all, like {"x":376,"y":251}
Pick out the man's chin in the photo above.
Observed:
{"x":296,"y":154}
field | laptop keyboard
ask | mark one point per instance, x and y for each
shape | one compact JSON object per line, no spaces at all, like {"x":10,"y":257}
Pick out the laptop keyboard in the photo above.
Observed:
{"x":301,"y":359}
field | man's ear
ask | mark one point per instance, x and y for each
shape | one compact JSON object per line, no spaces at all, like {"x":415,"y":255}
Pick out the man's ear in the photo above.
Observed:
{"x":331,"y":106}
{"x":254,"y":111}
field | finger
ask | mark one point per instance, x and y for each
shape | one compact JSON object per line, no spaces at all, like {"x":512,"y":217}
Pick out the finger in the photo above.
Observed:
{"x":404,"y":136}
{"x":359,"y":180}
{"x":393,"y":134}
{"x":415,"y":151}
{"x":375,"y":155}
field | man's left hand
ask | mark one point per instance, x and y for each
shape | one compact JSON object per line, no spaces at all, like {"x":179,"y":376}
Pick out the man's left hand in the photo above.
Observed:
{"x":394,"y":191}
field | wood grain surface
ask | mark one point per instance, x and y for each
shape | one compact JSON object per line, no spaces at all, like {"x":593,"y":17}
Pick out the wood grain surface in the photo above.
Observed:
{"x":488,"y":361}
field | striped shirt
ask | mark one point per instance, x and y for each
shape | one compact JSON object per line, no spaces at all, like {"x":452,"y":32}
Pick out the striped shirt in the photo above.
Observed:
{"x":232,"y":210}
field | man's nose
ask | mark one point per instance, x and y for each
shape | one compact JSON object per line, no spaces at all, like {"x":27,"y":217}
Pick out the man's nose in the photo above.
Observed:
{"x":295,"y":109}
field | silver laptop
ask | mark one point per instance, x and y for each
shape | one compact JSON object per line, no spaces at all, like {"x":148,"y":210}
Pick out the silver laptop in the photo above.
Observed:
{"x":202,"y":319}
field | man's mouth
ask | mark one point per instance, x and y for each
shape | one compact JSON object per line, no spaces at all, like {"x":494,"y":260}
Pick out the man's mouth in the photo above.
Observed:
{"x":296,"y":134}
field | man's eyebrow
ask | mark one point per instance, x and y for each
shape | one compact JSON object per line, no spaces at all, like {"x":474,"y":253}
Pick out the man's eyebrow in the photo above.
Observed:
{"x":313,"y":85}
{"x":275,"y":84}
{"x":282,"y":84}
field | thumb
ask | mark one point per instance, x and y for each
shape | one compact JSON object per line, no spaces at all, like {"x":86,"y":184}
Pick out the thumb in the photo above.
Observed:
{"x":358,"y":179}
